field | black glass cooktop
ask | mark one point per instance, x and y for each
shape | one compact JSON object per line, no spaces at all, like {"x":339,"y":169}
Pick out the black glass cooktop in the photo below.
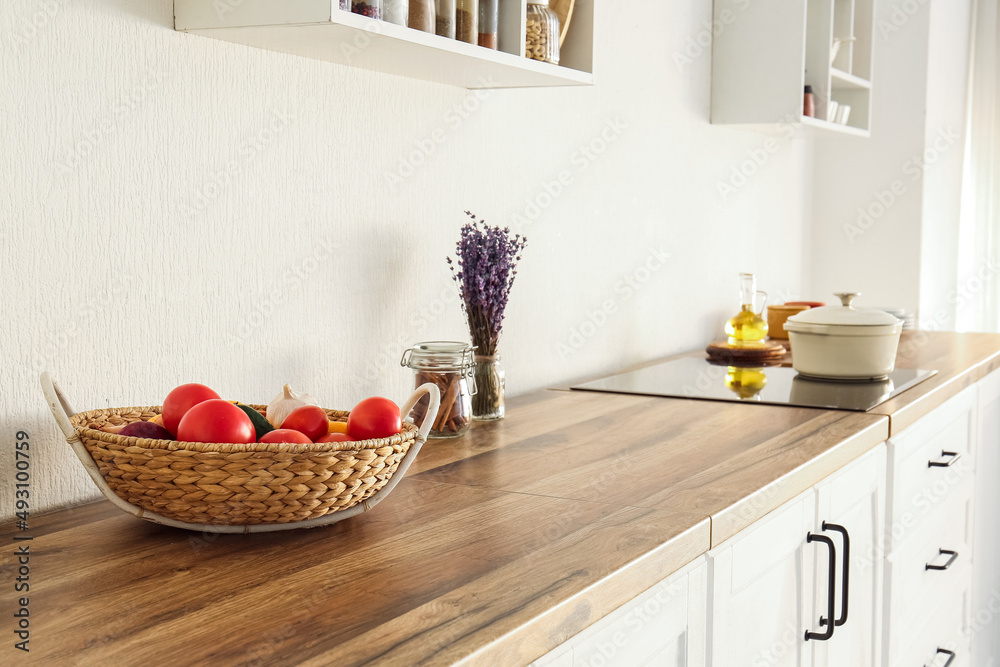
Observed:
{"x":774,"y":385}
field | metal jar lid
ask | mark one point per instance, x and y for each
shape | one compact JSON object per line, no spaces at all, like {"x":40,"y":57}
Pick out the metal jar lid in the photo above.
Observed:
{"x":439,"y":355}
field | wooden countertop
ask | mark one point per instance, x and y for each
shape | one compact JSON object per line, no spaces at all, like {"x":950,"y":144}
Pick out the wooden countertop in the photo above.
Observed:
{"x":496,"y":548}
{"x":961,"y":359}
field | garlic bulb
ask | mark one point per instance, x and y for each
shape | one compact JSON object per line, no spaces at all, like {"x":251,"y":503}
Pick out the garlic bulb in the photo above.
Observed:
{"x":286,"y":401}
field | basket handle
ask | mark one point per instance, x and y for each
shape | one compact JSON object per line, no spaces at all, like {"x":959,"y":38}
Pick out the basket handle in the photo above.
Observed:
{"x":58,"y":405}
{"x":431,"y":390}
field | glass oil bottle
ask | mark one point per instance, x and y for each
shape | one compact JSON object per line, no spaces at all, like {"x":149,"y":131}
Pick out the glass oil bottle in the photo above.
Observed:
{"x":748,"y":327}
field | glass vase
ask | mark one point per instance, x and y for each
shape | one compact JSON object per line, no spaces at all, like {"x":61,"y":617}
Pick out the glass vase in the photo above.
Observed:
{"x":487,"y":402}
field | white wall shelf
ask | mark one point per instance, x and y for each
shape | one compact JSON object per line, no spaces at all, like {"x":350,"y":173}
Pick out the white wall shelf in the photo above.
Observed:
{"x":848,"y":81}
{"x":320,"y":30}
{"x":769,"y":52}
{"x":820,"y":124}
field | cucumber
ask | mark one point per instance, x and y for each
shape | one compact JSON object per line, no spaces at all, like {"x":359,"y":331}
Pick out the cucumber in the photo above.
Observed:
{"x":260,"y":424}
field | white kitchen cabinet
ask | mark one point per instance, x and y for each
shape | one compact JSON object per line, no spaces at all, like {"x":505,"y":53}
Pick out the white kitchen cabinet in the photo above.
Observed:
{"x":765,"y":53}
{"x":320,"y":30}
{"x":985,"y":616}
{"x":929,"y":533}
{"x":771,"y":583}
{"x":664,"y":626}
{"x":922,"y":515}
{"x":854,"y":498}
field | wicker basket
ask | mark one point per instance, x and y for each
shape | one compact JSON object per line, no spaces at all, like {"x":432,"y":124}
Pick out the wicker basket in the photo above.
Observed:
{"x":227,"y":487}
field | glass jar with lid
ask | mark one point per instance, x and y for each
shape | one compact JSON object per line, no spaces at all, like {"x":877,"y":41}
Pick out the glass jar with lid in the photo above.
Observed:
{"x":489,"y":23}
{"x":542,"y":41}
{"x":422,"y":15}
{"x":396,"y":11}
{"x":445,"y":20}
{"x":370,"y":8}
{"x":467,"y":21}
{"x":450,"y":366}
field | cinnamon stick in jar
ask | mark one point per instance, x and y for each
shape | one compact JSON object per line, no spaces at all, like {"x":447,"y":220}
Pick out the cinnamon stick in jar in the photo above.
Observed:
{"x":452,"y":416}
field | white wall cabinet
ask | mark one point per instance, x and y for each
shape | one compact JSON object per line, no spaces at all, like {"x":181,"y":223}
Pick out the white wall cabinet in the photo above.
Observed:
{"x":772,"y":583}
{"x":765,"y":53}
{"x":663,"y":627}
{"x":319,"y":29}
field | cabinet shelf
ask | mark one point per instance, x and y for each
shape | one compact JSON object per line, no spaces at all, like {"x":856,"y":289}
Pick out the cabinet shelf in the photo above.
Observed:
{"x":821,"y":124}
{"x":847,"y":81}
{"x":320,"y":30}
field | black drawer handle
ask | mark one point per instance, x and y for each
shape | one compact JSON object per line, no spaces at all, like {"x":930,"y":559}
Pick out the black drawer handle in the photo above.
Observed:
{"x":953,"y":457}
{"x":952,"y":555}
{"x":845,"y":586}
{"x":950,"y":654}
{"x":831,"y":588}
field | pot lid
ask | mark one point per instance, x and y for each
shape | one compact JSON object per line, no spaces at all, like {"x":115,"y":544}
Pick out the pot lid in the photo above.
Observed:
{"x":845,"y":314}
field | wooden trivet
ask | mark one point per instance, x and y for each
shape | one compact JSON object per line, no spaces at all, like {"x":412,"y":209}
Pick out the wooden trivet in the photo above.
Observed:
{"x":764,"y":351}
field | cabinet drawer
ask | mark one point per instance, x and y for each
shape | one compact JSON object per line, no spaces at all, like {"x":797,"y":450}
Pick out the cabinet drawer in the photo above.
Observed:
{"x":664,"y":626}
{"x":930,"y":462}
{"x":942,"y":631}
{"x":914,"y":591}
{"x":638,"y":630}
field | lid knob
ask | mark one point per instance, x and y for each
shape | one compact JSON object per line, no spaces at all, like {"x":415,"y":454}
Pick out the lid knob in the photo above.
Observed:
{"x":847,"y":297}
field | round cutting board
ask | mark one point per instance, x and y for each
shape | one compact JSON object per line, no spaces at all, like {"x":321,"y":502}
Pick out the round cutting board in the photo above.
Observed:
{"x":764,"y":351}
{"x":564,"y":9}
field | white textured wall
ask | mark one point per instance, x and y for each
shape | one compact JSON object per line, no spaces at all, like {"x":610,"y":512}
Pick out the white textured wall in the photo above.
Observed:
{"x":869,"y":192}
{"x":944,"y":155}
{"x":179,"y":209}
{"x":887,"y":208}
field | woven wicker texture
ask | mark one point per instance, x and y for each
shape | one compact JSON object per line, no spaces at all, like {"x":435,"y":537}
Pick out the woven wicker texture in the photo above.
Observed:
{"x":238,"y":484}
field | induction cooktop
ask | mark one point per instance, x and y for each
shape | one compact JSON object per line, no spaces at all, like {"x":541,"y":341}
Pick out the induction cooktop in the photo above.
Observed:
{"x":693,"y":377}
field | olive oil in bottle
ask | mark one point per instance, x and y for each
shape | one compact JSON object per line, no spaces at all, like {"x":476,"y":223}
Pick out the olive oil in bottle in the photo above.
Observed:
{"x":747,"y":326}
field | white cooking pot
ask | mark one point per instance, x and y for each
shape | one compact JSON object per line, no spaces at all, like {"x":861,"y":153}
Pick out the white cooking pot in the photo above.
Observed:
{"x":844,"y":342}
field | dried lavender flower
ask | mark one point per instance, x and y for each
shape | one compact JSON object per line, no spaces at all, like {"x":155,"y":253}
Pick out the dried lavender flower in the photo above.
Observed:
{"x":484,"y":271}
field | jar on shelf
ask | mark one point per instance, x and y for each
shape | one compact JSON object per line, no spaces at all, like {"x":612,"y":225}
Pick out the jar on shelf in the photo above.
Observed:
{"x":422,"y":15}
{"x":445,"y":18}
{"x":450,"y":366}
{"x":396,"y":11}
{"x":467,"y":21}
{"x":370,"y":8}
{"x":489,"y":23}
{"x":345,"y":5}
{"x":542,"y":41}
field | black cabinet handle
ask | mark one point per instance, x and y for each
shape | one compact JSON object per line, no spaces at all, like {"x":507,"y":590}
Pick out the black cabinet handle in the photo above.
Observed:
{"x":952,"y":555}
{"x":831,"y":589}
{"x":950,"y":654}
{"x":845,"y":581}
{"x":953,"y":458}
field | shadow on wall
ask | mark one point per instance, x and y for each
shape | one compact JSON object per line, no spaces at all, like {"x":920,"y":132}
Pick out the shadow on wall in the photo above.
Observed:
{"x":156,"y":12}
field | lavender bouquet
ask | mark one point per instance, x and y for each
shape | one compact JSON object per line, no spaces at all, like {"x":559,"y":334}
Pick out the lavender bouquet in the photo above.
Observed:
{"x":485,"y":271}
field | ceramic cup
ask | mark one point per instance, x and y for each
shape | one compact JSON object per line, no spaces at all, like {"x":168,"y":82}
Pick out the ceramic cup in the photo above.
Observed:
{"x":776,"y":316}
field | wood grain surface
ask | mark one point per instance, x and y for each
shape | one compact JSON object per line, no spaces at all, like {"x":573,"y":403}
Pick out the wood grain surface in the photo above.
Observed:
{"x":961,"y":359}
{"x":496,"y":548}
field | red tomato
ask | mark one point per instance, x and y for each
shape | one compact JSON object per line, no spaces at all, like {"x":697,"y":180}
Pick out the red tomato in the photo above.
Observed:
{"x":308,"y":419}
{"x":216,"y":420}
{"x":285,"y":435}
{"x":374,"y":417}
{"x":182,"y":399}
{"x":336,"y":437}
